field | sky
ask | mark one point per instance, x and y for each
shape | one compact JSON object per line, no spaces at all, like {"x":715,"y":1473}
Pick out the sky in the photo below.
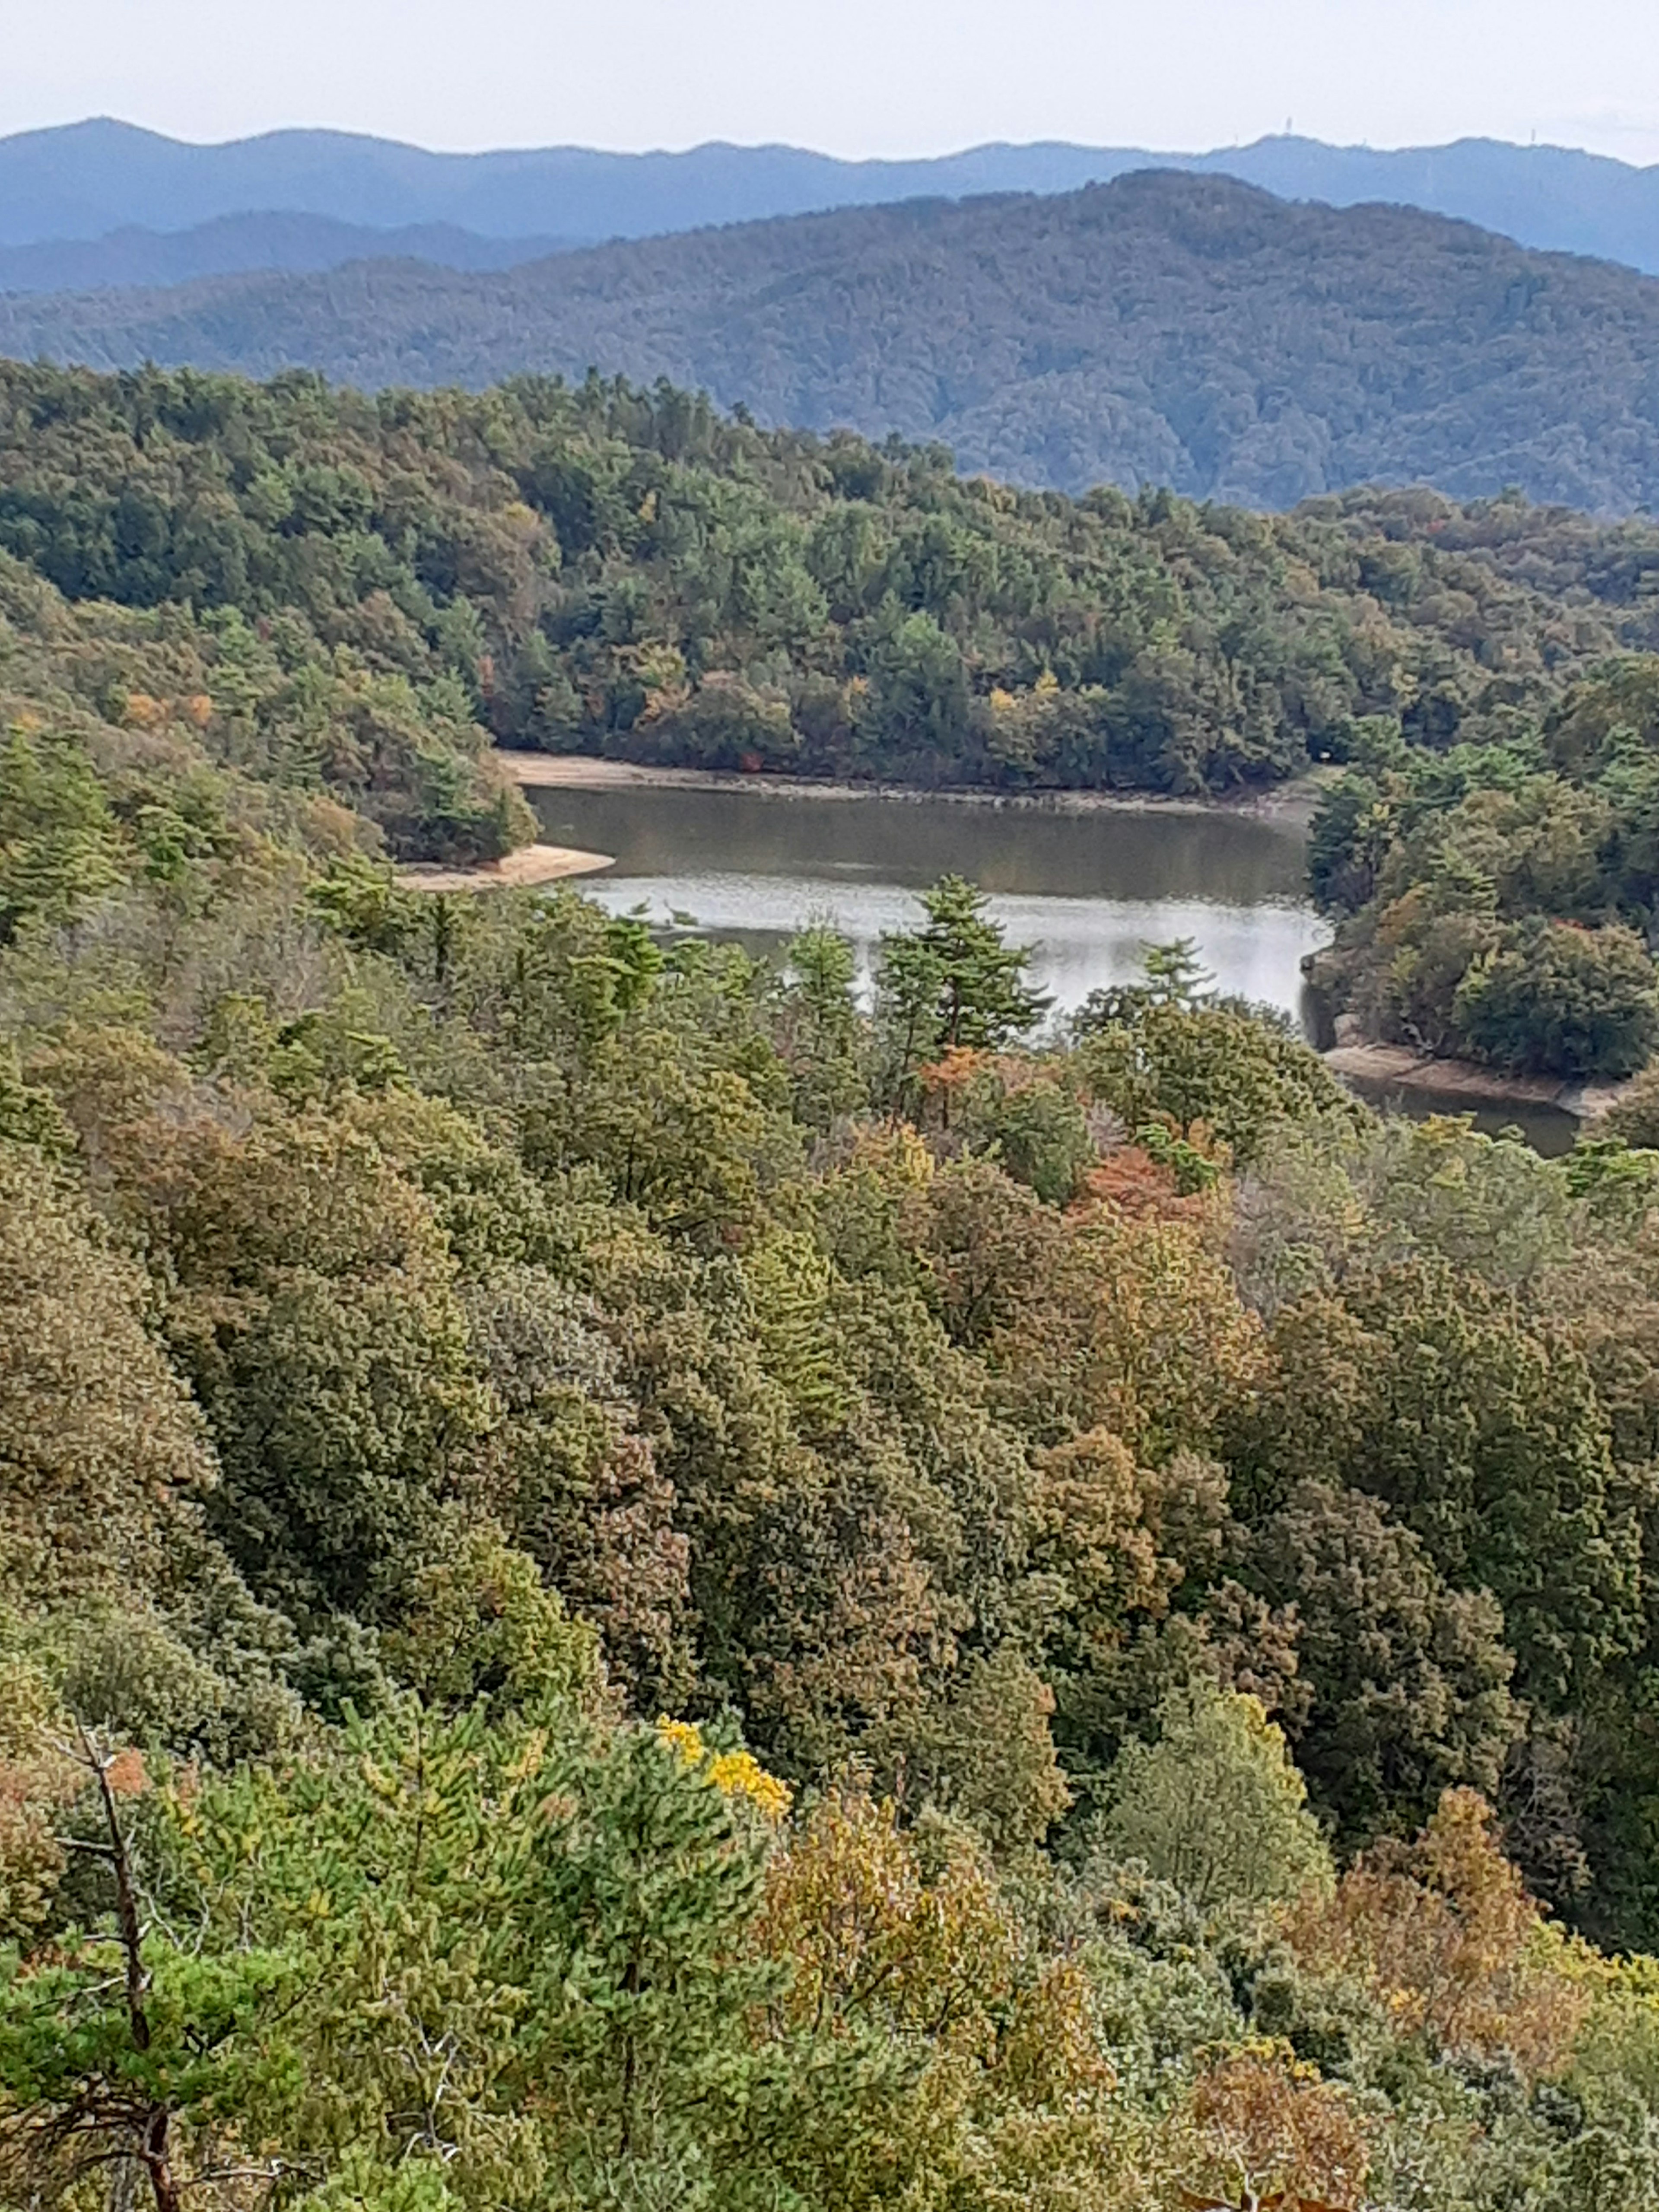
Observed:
{"x":853,"y":77}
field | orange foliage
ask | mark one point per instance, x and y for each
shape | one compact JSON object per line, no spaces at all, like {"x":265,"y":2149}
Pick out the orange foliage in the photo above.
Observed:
{"x":1447,"y":1939}
{"x":1268,"y":2133}
{"x":1131,"y":1180}
{"x":959,"y":1067}
{"x":125,"y":1774}
{"x":141,"y":711}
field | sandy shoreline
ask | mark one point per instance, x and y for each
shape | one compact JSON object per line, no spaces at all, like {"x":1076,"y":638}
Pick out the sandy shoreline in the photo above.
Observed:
{"x":519,"y":871}
{"x":1292,"y":804}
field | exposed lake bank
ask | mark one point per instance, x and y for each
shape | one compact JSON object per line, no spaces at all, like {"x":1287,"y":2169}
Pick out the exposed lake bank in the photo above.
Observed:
{"x":1397,"y":1067}
{"x":1290,"y":803}
{"x":522,"y":871}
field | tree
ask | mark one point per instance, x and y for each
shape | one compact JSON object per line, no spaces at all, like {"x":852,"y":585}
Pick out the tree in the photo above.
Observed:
{"x":1112,"y":1320}
{"x":58,"y":844}
{"x":1261,"y":2129}
{"x":1025,"y":1113}
{"x":820,"y":1036}
{"x":1215,"y":1805}
{"x":985,"y":2067}
{"x":955,"y":982}
{"x":986,"y":1752}
{"x":480,"y":1625}
{"x":1425,"y":1388}
{"x":1234,"y":1071}
{"x":1568,"y":1000}
{"x":427,"y":1947}
{"x":103,"y":1458}
{"x":1403,"y":1683}
{"x":1634,"y":1116}
{"x":318,"y":1315}
{"x":1442,"y":1930}
{"x":1176,"y":976}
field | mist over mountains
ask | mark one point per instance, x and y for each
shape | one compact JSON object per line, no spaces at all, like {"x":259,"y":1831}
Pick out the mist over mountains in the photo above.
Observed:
{"x":1160,"y":330}
{"x":84,"y":181}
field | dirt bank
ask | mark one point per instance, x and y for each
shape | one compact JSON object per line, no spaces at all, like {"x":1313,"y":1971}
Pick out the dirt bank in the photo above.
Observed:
{"x":1290,"y":803}
{"x":530,"y":864}
{"x":1396,"y":1066}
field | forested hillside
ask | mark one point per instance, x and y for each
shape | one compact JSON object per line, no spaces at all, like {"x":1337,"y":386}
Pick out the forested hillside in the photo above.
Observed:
{"x":132,"y":255}
{"x":602,"y":568}
{"x":1163,"y":330}
{"x":627,"y":1583}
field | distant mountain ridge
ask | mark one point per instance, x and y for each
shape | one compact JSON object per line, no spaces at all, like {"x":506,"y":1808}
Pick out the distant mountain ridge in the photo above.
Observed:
{"x":82,"y":181}
{"x":298,"y":243}
{"x":1162,"y":329}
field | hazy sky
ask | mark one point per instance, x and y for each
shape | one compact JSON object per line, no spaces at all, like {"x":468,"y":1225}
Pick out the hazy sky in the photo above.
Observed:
{"x":852,"y":77}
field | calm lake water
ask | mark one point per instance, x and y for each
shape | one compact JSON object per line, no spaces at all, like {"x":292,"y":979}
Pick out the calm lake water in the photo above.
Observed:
{"x":1090,"y":892}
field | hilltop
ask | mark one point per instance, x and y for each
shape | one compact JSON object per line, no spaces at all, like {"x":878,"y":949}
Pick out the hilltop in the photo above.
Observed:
{"x":1164,"y":329}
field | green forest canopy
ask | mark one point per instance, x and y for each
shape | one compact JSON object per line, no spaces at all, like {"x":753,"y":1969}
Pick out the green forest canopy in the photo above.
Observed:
{"x":606,"y":568}
{"x":627,"y":1583}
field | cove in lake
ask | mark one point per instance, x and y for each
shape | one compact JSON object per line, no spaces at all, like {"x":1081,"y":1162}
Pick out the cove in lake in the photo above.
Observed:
{"x":1090,"y":889}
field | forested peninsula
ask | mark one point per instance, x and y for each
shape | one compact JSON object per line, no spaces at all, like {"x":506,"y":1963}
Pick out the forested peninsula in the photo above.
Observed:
{"x":626,"y":1580}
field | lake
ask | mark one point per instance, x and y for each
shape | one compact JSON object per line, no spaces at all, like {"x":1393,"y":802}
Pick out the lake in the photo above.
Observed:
{"x":1089,"y":890}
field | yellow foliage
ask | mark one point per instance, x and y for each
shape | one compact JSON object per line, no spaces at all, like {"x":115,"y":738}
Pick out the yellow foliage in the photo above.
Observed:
{"x":660,"y":668}
{"x":898,"y":1157}
{"x":910,"y":1940}
{"x":733,"y":1773}
{"x":849,"y":1906}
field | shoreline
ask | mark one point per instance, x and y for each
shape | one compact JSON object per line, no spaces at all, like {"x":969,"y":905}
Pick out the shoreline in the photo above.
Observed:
{"x":1289,"y":803}
{"x":1399,"y":1068}
{"x":521,"y":871}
